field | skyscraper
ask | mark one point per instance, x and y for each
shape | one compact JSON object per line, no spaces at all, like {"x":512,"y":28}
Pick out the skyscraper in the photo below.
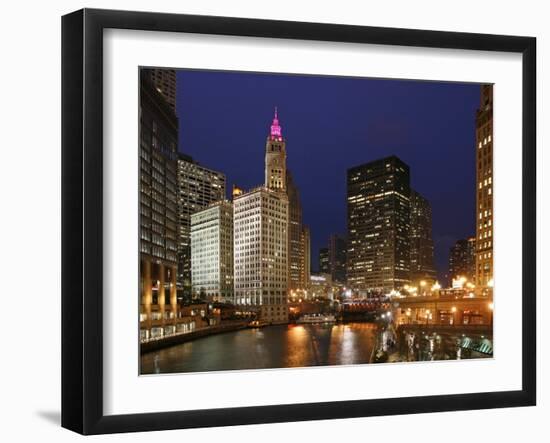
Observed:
{"x":158,"y":135}
{"x":422,"y":246}
{"x":260,"y":220}
{"x":378,"y":225}
{"x":164,"y":81}
{"x":484,"y":189}
{"x":262,"y":241}
{"x":462,"y":259}
{"x":212,"y":252}
{"x":275,"y":157}
{"x":296,"y":237}
{"x":337,"y":253}
{"x":197,"y":188}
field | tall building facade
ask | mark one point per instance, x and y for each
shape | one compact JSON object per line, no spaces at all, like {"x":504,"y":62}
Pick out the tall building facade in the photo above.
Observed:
{"x":263,"y":219}
{"x":422,"y":245}
{"x":337,"y":257}
{"x":260,"y":220}
{"x":297,"y":237}
{"x":212,"y":252}
{"x":462,"y":259}
{"x":275,"y":157}
{"x":158,"y":135}
{"x":324,"y":266}
{"x":378,"y":209}
{"x":164,"y":81}
{"x":197,"y":188}
{"x":484,"y":181}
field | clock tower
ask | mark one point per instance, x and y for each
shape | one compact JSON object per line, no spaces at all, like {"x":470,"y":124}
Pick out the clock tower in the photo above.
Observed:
{"x":275,"y":157}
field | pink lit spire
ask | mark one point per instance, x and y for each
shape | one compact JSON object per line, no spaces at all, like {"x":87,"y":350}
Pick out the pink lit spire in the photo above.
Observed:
{"x":276,"y":128}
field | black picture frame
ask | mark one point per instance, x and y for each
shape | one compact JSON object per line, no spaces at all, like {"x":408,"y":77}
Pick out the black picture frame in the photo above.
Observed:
{"x":82,"y":218}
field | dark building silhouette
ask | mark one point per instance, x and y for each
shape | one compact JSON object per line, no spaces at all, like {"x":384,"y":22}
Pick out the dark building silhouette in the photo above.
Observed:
{"x":337,"y":252}
{"x":296,"y":237}
{"x":422,"y":246}
{"x":462,"y":259}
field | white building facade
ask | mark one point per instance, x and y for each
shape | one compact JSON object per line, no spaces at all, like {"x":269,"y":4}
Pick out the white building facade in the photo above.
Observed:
{"x":197,"y":188}
{"x":260,"y":247}
{"x":212,"y":252}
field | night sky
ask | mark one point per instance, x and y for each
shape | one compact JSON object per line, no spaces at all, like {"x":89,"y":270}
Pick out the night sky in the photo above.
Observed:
{"x":331,"y":124}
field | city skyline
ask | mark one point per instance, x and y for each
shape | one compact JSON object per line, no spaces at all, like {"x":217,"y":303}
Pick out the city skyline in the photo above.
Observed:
{"x":243,"y":260}
{"x":429,"y":125}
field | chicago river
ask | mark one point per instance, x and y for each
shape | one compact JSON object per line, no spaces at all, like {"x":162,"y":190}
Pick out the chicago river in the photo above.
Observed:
{"x":283,"y":346}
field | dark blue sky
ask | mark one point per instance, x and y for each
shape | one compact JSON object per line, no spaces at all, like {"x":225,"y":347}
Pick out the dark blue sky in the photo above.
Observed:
{"x":331,"y":124}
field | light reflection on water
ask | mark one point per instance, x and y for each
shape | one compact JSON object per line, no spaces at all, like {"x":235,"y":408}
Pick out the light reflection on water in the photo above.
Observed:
{"x":282,"y":346}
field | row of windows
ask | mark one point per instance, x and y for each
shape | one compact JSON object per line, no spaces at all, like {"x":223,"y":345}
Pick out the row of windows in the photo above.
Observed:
{"x":484,"y":141}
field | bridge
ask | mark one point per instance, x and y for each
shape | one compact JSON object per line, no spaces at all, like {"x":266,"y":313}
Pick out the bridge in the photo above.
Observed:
{"x":443,"y":309}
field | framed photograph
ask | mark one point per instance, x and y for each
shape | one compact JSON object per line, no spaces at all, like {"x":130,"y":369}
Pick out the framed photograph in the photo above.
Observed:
{"x":269,"y":221}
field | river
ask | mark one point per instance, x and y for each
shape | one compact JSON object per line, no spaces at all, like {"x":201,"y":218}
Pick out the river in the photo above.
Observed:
{"x":282,"y":346}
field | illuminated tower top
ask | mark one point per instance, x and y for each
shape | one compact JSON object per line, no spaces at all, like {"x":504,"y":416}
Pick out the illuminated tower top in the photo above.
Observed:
{"x":275,"y":157}
{"x":276,"y":128}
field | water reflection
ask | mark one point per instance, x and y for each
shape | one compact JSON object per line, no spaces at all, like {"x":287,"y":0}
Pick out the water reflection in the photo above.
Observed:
{"x":271,"y":347}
